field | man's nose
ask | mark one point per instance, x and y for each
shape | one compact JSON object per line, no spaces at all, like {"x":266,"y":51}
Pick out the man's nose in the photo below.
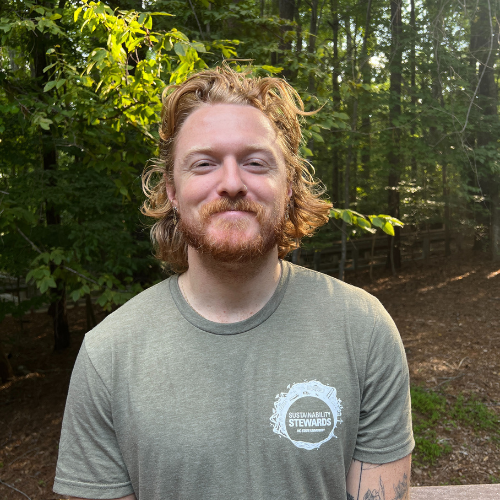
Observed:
{"x":231,"y":182}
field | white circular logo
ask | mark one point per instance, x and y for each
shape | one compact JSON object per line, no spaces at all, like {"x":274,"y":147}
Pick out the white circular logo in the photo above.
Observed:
{"x":307,"y":414}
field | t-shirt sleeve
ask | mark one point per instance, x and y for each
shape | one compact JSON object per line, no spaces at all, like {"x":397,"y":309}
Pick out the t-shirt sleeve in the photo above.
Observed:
{"x":385,"y":428}
{"x":90,"y":464}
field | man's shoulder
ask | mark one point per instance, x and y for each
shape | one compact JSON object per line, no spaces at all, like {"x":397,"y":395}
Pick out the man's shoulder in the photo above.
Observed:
{"x":144,"y":312}
{"x":314,"y":284}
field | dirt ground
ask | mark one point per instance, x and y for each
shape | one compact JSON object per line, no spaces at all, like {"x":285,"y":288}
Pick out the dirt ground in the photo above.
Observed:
{"x":448,"y":313}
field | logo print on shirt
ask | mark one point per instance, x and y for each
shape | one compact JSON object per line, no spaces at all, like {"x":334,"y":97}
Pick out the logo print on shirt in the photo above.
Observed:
{"x":307,"y":414}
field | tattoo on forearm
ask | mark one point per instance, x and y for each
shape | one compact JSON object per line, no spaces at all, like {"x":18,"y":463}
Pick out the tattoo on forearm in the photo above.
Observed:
{"x":401,"y":491}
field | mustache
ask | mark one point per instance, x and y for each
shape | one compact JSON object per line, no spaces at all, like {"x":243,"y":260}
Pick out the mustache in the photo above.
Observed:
{"x":226,"y":205}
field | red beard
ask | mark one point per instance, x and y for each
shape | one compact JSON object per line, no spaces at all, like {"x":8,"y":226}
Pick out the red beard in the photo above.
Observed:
{"x":230,"y":247}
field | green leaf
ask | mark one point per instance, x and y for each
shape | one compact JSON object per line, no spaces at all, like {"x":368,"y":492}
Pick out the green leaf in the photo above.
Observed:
{"x":77,"y":13}
{"x":57,"y":258}
{"x":378,"y":222}
{"x":340,"y":116}
{"x":149,"y":23}
{"x":45,"y":123}
{"x":388,"y":229}
{"x":198,"y":46}
{"x":305,"y":151}
{"x":317,"y":137}
{"x":49,"y":85}
{"x":60,"y":83}
{"x":180,"y":49}
{"x":75,"y":295}
{"x":347,"y":217}
{"x":363,"y":223}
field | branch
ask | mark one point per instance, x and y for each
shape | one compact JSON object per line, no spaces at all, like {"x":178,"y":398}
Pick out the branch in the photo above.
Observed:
{"x":28,"y":240}
{"x":15,"y":489}
{"x":63,"y":266}
{"x":197,"y":20}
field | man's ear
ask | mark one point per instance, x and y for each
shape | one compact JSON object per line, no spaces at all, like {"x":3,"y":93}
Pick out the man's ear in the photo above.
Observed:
{"x":290,"y":191}
{"x":171,"y":192}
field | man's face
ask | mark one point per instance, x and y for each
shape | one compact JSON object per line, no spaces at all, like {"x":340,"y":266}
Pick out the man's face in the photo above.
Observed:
{"x":230,"y":183}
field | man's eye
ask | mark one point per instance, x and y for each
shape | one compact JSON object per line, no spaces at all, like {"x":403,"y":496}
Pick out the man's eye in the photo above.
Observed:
{"x":202,"y":164}
{"x":256,"y":163}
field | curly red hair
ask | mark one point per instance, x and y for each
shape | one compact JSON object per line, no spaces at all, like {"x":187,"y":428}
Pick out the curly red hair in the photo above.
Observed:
{"x":279,"y":101}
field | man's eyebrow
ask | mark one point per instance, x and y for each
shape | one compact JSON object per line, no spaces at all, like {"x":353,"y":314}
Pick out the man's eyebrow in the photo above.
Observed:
{"x":249,"y":148}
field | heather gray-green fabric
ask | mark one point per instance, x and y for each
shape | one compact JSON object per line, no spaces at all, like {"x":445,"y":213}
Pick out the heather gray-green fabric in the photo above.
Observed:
{"x":168,"y":405}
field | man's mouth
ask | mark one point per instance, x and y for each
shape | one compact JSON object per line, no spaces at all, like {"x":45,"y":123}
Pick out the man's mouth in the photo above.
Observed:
{"x":226,"y":206}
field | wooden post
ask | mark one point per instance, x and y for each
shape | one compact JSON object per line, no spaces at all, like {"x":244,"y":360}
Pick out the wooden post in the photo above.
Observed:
{"x":316,"y":260}
{"x":426,"y":247}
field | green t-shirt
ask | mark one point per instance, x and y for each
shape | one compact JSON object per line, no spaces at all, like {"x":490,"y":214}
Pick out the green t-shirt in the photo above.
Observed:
{"x":169,"y":405}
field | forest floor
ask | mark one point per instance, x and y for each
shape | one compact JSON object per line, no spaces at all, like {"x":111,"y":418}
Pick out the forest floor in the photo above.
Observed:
{"x":448,"y":313}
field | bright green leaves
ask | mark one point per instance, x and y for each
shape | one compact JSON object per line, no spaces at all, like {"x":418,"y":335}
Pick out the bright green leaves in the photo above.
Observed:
{"x":366,"y":222}
{"x":385,"y":222}
{"x":135,"y":84}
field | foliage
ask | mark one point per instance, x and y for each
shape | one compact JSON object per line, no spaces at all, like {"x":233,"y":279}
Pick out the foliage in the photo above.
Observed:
{"x":428,"y":410}
{"x":431,"y":409}
{"x":368,"y":223}
{"x":80,"y":96}
{"x":99,"y":101}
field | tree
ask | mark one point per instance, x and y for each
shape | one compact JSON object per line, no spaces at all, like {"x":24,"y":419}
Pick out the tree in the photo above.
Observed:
{"x":87,"y":113}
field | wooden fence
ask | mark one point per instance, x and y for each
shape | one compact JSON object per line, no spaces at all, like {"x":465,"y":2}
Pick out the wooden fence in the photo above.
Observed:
{"x":372,"y":251}
{"x":361,"y":253}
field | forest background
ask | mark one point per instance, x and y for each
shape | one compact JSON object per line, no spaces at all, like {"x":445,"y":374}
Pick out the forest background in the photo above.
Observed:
{"x":408,"y":130}
{"x":408,"y":124}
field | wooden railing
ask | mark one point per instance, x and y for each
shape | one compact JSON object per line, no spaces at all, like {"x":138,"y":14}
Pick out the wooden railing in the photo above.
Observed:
{"x":372,"y":251}
{"x":466,"y":492}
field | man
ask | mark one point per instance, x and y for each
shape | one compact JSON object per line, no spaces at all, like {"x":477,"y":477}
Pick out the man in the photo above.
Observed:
{"x":242,"y":376}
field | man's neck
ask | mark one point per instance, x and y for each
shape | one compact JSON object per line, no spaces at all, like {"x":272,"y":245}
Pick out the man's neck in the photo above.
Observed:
{"x":229,"y":292}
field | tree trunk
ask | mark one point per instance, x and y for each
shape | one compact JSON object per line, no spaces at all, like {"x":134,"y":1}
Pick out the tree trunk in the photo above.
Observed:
{"x":287,"y":12}
{"x":394,"y":115}
{"x":347,"y":171}
{"x":335,"y":152}
{"x":299,"y":41}
{"x":311,"y":46}
{"x":6,"y":371}
{"x":484,"y":45}
{"x":89,"y":309}
{"x":365,"y":101}
{"x":446,"y":197}
{"x":413,"y":85}
{"x":57,"y":308}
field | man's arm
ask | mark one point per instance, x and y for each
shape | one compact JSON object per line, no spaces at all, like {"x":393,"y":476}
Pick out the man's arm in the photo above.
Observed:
{"x":389,"y":481}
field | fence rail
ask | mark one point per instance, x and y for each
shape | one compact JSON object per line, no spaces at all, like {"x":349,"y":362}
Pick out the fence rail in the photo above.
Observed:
{"x":365,"y":252}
